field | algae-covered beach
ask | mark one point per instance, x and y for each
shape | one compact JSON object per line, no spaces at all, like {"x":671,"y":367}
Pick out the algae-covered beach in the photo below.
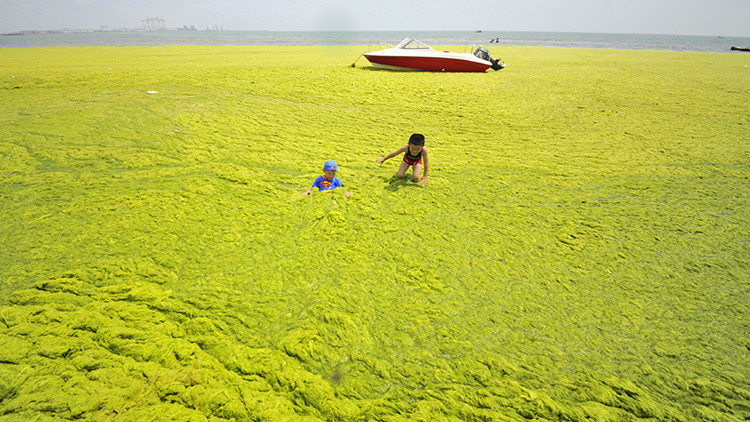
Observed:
{"x":580,"y":252}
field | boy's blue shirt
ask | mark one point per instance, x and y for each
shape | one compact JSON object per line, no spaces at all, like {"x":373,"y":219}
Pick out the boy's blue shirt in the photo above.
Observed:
{"x":325,"y":184}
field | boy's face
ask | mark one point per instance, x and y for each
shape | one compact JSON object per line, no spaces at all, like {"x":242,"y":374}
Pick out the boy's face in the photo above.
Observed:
{"x":415,"y":149}
{"x":329,"y":174}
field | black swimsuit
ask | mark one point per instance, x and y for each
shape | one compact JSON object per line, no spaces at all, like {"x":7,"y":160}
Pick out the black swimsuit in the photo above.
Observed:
{"x":412,"y":159}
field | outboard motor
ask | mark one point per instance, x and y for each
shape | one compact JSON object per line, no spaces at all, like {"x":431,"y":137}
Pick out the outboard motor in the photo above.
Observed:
{"x":483,"y":54}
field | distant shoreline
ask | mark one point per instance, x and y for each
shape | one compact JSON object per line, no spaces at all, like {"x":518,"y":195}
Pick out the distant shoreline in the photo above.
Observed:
{"x":89,"y":31}
{"x":218,"y":36}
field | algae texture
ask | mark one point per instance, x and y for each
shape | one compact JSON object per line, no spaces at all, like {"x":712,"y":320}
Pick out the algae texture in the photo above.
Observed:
{"x":580,"y":253}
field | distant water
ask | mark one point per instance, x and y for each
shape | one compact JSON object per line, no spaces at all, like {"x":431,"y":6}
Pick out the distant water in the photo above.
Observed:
{"x":274,"y":38}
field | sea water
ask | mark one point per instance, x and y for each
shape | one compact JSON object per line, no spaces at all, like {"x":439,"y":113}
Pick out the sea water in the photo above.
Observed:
{"x":298,"y":38}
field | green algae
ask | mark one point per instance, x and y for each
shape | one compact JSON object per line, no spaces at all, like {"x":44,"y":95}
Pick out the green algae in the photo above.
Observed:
{"x":580,"y":252}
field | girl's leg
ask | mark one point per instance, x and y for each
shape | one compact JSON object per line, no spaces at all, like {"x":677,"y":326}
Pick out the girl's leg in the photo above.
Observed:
{"x":402,"y":169}
{"x":417,"y":170}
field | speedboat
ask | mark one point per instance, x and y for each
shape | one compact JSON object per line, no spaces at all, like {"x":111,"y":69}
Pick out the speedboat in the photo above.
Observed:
{"x":411,"y":54}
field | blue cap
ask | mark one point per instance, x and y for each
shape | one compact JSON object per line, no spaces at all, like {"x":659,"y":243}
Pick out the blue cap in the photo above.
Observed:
{"x":330,"y":165}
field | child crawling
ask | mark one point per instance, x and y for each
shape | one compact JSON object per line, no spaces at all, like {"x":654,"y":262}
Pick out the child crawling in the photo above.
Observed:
{"x":414,"y":154}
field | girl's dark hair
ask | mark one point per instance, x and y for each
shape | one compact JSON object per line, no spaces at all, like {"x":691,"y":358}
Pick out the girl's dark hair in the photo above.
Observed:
{"x":416,"y":139}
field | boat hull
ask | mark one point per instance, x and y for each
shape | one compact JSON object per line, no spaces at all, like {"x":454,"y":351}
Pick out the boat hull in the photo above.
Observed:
{"x":427,"y":63}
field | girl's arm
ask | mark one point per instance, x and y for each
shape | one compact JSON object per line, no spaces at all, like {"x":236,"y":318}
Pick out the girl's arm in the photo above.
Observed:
{"x":426,"y":162}
{"x":393,"y":154}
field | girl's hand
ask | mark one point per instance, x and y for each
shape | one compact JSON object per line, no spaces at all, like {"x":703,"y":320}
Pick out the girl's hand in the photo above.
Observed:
{"x":424,"y":180}
{"x":380,"y":160}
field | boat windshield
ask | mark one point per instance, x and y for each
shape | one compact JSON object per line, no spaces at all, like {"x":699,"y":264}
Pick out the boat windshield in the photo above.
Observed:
{"x":411,"y":43}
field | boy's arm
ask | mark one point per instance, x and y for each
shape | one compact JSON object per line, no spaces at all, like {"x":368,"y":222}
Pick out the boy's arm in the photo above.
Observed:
{"x":314,"y":185}
{"x":393,"y":154}
{"x":339,"y":184}
{"x":426,"y":161}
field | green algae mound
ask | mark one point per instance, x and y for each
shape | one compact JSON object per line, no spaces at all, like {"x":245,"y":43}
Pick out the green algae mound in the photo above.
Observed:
{"x":580,"y":252}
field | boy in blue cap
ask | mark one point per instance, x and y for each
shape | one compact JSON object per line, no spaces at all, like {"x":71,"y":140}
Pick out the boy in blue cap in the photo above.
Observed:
{"x":328,"y":181}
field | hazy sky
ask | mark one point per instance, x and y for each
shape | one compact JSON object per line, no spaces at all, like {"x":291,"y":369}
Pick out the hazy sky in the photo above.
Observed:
{"x":688,"y":17}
